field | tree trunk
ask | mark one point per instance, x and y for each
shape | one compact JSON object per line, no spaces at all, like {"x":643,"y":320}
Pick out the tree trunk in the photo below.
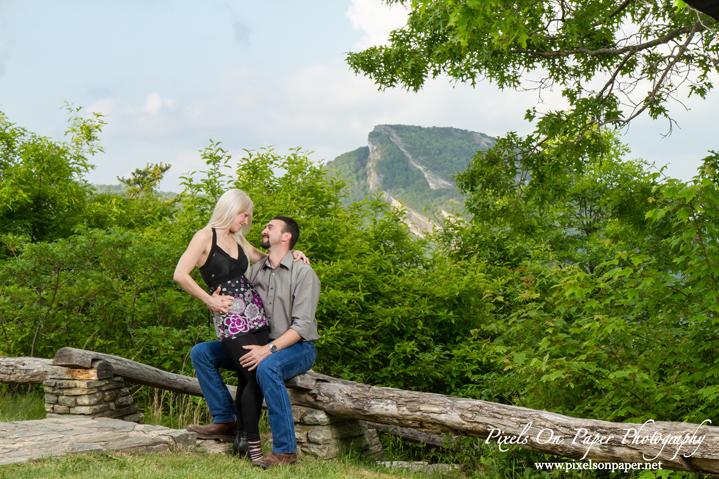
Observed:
{"x":138,"y":373}
{"x":538,"y":431}
{"x":131,"y":371}
{"x":413,"y":435}
{"x":36,"y":370}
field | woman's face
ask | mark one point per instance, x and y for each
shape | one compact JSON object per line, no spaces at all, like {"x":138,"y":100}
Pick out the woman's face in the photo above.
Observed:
{"x":241,"y":220}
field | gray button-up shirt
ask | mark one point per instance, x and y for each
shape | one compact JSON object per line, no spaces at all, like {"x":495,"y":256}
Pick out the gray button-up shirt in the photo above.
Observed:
{"x":290,"y":294}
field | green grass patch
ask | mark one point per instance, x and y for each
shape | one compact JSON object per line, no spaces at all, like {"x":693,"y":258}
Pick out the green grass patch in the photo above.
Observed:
{"x":184,"y":465}
{"x":21,"y":403}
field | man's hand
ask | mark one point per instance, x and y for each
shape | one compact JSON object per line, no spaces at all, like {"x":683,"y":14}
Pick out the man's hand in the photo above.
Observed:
{"x":256,"y":354}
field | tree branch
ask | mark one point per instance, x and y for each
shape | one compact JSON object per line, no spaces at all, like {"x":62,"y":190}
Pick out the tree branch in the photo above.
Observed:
{"x":658,"y":84}
{"x":621,"y":7}
{"x":696,"y":28}
{"x":610,"y":82}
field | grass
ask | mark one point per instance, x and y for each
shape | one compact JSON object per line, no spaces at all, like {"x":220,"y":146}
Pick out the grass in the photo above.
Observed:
{"x":21,"y":403}
{"x":183,"y":465}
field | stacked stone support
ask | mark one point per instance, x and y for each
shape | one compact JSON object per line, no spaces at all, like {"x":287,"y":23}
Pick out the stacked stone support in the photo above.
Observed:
{"x":324,"y":436}
{"x":94,"y":398}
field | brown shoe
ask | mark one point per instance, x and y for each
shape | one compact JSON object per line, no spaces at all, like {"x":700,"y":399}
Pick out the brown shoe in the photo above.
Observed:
{"x":276,"y":459}
{"x":223,"y":432}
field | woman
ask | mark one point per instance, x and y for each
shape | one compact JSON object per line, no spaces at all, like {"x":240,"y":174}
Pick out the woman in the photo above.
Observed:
{"x":222,"y":254}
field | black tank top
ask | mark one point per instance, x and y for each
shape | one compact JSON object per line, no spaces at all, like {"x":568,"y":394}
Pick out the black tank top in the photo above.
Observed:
{"x":220,"y":266}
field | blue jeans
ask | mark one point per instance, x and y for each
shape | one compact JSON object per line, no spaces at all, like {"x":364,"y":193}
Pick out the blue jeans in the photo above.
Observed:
{"x":207,"y":359}
{"x":272,"y":373}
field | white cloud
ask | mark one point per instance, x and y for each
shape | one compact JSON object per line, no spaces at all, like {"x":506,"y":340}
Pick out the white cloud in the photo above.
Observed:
{"x":376,"y":20}
{"x":154,"y":103}
{"x":106,"y":106}
{"x":324,"y":108}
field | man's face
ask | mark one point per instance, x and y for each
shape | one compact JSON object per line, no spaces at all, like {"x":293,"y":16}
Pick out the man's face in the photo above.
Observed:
{"x":272,"y":235}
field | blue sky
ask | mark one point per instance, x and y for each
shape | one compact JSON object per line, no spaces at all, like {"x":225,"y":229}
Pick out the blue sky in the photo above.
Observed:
{"x":171,"y":75}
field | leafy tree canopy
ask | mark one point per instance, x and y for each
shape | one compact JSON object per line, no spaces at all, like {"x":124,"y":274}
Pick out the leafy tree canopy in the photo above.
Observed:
{"x":574,"y":43}
{"x":42,"y":191}
{"x":612,"y":61}
{"x":144,"y":181}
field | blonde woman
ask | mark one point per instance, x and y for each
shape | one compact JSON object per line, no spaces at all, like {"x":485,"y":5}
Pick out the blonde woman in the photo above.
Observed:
{"x":223,"y":255}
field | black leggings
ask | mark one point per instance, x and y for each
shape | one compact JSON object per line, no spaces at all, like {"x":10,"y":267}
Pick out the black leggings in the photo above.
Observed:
{"x":248,"y":400}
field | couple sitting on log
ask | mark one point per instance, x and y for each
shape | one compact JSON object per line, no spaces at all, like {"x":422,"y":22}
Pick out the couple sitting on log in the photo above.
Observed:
{"x":264,"y":318}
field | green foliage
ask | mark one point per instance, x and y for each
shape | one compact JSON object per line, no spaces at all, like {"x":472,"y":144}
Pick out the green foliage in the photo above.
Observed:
{"x":21,"y":402}
{"x":616,"y":322}
{"x":144,"y":181}
{"x":596,"y":52}
{"x":106,"y":290}
{"x":596,"y":297}
{"x":572,"y":45}
{"x":121,"y":190}
{"x":569,"y":210}
{"x":43,"y":194}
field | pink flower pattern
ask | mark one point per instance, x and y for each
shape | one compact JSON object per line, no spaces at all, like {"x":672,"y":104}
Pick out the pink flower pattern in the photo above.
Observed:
{"x":247,"y":313}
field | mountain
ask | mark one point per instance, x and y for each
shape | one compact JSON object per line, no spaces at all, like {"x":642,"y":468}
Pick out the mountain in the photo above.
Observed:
{"x":412,"y":166}
{"x":121,"y":189}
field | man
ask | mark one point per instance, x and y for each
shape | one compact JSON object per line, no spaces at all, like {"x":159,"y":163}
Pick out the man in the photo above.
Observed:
{"x":290,"y":292}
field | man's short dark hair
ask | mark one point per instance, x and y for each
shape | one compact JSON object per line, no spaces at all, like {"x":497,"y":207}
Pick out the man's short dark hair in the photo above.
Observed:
{"x":291,"y":227}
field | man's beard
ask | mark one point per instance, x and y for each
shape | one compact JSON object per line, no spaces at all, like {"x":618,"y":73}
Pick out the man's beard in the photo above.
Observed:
{"x":265,"y":243}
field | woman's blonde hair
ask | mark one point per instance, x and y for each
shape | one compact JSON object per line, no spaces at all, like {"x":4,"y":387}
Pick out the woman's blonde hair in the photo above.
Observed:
{"x":231,"y":204}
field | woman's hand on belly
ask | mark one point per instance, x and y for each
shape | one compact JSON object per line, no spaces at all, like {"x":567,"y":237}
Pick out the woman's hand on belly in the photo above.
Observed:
{"x":218,"y":303}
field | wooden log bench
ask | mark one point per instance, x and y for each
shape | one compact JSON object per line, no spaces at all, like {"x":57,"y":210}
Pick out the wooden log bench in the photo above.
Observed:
{"x":678,"y":446}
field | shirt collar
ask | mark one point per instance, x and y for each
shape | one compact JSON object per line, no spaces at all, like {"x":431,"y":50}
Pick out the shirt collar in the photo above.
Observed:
{"x":286,"y":261}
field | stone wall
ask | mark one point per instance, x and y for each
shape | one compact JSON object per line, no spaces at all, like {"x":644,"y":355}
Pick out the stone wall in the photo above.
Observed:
{"x":94,"y":398}
{"x":324,"y":436}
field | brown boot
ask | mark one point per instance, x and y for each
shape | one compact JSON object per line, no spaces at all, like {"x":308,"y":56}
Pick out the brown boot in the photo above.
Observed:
{"x":223,"y":432}
{"x":276,"y":459}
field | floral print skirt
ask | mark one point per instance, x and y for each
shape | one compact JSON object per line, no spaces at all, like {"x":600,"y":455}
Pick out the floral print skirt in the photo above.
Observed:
{"x":247,"y":314}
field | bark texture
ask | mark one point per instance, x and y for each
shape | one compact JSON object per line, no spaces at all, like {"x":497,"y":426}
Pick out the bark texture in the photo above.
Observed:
{"x":37,"y":370}
{"x":412,"y":435}
{"x":131,"y":371}
{"x":534,"y":430}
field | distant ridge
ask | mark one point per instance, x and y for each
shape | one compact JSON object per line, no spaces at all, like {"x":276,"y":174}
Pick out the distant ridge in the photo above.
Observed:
{"x":120,"y":189}
{"x":412,"y":166}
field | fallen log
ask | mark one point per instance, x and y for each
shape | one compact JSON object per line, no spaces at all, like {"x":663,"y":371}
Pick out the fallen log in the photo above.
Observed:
{"x":37,"y":370}
{"x":131,"y":371}
{"x":678,"y":446}
{"x":413,"y":435}
{"x":138,"y":373}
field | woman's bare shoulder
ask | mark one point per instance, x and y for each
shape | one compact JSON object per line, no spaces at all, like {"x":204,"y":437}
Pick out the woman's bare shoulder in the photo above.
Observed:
{"x":204,"y":233}
{"x":203,"y":238}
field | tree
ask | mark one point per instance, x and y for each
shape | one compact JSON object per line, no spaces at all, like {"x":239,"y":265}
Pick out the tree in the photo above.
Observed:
{"x":574,"y":42}
{"x":43,"y":193}
{"x":145,"y":181}
{"x":613,"y":62}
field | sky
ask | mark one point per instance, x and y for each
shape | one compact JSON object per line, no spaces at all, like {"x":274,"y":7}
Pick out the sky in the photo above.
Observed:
{"x":172,"y":75}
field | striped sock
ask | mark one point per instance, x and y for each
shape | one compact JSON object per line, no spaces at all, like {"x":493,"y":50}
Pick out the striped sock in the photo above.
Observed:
{"x":255,"y":450}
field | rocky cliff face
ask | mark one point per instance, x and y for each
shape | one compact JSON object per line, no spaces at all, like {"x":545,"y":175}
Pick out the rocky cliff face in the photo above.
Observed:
{"x":411,"y":167}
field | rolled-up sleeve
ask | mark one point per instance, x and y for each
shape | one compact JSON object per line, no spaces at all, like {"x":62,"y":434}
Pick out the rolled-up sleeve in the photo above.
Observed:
{"x":306,"y":295}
